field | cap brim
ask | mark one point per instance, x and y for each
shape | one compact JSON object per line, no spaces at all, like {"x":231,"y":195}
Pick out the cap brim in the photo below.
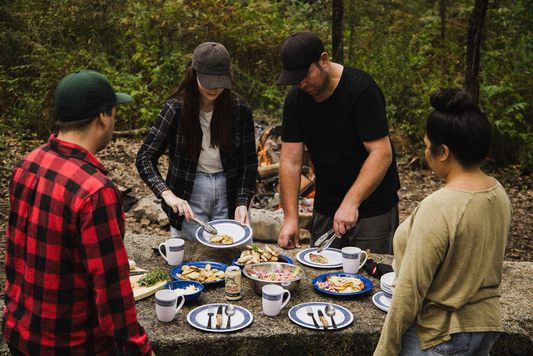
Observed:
{"x":123,"y":98}
{"x":211,"y":81}
{"x":292,"y":77}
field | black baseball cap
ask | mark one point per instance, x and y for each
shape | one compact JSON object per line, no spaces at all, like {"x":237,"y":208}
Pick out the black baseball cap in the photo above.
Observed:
{"x":298,"y":52}
{"x":211,"y":61}
{"x":84,"y":94}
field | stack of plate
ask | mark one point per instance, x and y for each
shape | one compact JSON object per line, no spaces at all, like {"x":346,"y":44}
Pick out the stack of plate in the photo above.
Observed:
{"x":383,"y":299}
{"x":386,"y":282}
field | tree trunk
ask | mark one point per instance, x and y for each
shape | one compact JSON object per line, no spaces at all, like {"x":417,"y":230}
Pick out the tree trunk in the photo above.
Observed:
{"x":475,"y":27}
{"x":336,"y":31}
{"x":442,"y":12}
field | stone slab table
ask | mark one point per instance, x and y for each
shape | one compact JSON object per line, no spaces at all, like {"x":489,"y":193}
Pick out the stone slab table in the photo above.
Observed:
{"x":279,"y":335}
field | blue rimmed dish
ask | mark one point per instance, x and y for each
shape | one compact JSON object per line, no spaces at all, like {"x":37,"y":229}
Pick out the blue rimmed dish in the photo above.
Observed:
{"x":323,"y":278}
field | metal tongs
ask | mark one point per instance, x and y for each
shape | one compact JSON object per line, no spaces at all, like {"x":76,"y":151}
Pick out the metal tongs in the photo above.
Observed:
{"x":207,"y":228}
{"x":325,"y":240}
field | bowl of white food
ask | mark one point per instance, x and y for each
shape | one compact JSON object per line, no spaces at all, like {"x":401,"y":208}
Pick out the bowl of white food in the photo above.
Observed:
{"x":189,"y":289}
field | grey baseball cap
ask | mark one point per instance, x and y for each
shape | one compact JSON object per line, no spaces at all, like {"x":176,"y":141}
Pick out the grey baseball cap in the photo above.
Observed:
{"x":211,"y":61}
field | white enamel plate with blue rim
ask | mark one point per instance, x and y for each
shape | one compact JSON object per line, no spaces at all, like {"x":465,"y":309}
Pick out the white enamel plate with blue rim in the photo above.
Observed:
{"x":333,"y":255}
{"x":381,"y":301}
{"x":198,"y":318}
{"x":298,"y":314}
{"x":233,"y":228}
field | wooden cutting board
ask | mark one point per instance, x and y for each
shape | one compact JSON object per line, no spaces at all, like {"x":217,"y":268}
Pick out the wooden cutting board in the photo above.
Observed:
{"x":143,"y":292}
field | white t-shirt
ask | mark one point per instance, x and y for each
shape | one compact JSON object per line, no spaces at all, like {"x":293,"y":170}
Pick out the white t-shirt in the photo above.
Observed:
{"x":209,"y":161}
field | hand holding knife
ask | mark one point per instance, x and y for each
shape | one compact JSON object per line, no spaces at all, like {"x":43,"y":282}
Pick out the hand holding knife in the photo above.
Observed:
{"x":323,"y":319}
{"x":219,"y":317}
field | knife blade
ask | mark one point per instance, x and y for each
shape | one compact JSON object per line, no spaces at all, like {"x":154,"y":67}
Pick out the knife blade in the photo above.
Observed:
{"x":136,"y":273}
{"x":219,"y":317}
{"x":323,"y":319}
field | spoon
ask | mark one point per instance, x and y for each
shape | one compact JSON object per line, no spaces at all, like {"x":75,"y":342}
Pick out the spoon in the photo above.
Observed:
{"x":230,"y":311}
{"x":330,"y":311}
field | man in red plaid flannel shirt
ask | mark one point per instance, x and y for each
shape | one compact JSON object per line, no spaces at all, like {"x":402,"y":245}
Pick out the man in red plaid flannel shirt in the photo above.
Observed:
{"x":68,"y":290}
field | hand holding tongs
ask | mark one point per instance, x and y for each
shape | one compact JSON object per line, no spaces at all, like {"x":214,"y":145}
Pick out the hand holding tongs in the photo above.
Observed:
{"x":207,"y":228}
{"x":325,"y":240}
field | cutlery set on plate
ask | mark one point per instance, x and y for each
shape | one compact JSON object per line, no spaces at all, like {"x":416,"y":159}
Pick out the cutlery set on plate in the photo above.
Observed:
{"x":329,"y":310}
{"x":229,"y":311}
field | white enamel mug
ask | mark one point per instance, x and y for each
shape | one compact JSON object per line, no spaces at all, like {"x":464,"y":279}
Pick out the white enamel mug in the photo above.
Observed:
{"x":174,"y":249}
{"x":351,"y":259}
{"x":166,"y":304}
{"x":273,"y":299}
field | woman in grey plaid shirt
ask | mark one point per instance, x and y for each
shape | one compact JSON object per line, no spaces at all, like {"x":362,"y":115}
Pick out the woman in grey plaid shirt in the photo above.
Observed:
{"x":209,"y":131}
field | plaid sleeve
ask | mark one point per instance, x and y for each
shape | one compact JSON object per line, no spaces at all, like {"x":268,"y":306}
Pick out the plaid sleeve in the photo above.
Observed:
{"x":101,"y":232}
{"x":155,"y":144}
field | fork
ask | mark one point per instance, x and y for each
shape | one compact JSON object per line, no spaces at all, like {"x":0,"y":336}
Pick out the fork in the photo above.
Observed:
{"x":312,"y":315}
{"x":210,"y":313}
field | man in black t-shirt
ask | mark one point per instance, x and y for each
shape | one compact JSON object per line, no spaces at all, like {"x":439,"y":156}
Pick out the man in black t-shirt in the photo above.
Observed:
{"x":338,"y":112}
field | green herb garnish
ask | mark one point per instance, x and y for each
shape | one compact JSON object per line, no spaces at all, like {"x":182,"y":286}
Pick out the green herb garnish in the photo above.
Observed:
{"x":151,"y":278}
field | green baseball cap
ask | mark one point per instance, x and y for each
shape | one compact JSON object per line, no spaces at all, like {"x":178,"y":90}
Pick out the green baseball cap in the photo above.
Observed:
{"x":85,"y":93}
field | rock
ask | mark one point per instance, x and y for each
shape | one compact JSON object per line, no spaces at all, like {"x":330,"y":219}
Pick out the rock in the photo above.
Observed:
{"x":145,"y":222}
{"x":150,"y":208}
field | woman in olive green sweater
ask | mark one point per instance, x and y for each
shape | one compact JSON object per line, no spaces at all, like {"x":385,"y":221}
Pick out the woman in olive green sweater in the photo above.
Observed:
{"x":449,"y":252}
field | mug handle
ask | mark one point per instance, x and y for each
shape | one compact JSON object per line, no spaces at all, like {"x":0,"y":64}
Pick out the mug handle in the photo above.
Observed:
{"x":181,"y":304}
{"x":161,"y":253}
{"x":286,"y":300}
{"x":366,"y":258}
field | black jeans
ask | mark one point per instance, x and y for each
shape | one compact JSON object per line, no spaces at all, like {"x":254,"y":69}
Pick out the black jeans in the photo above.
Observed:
{"x":374,"y":233}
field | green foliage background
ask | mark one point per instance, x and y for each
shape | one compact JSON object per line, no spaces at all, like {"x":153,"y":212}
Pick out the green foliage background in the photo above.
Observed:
{"x":144,"y":46}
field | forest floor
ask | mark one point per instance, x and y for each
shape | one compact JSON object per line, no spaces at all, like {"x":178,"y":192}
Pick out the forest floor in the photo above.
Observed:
{"x":416,"y":180}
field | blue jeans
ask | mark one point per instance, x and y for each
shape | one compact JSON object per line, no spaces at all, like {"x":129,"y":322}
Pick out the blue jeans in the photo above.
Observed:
{"x":460,"y":344}
{"x":209,"y":201}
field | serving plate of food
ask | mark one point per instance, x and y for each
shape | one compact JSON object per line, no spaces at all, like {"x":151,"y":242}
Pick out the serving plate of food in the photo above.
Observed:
{"x":329,"y":258}
{"x":230,"y":234}
{"x":254,"y":254}
{"x":342,"y":284}
{"x":299,"y":315}
{"x":205,"y":272}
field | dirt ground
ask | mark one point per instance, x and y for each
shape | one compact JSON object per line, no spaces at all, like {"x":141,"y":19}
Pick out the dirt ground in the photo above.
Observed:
{"x":416,"y":180}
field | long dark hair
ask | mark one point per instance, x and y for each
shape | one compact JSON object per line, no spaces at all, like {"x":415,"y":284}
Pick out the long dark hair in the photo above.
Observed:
{"x":190,"y":130}
{"x":460,"y":124}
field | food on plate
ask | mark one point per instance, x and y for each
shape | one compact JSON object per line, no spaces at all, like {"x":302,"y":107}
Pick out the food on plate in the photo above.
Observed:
{"x":254,"y":254}
{"x":221,"y":239}
{"x":202,"y":275}
{"x":151,"y":278}
{"x":187,"y":290}
{"x":339,"y":284}
{"x":274,"y":275}
{"x":318,"y":258}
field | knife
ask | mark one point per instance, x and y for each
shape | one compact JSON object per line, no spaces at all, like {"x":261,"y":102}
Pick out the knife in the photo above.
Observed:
{"x":136,"y":273}
{"x":323,"y":319}
{"x":219,"y":317}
